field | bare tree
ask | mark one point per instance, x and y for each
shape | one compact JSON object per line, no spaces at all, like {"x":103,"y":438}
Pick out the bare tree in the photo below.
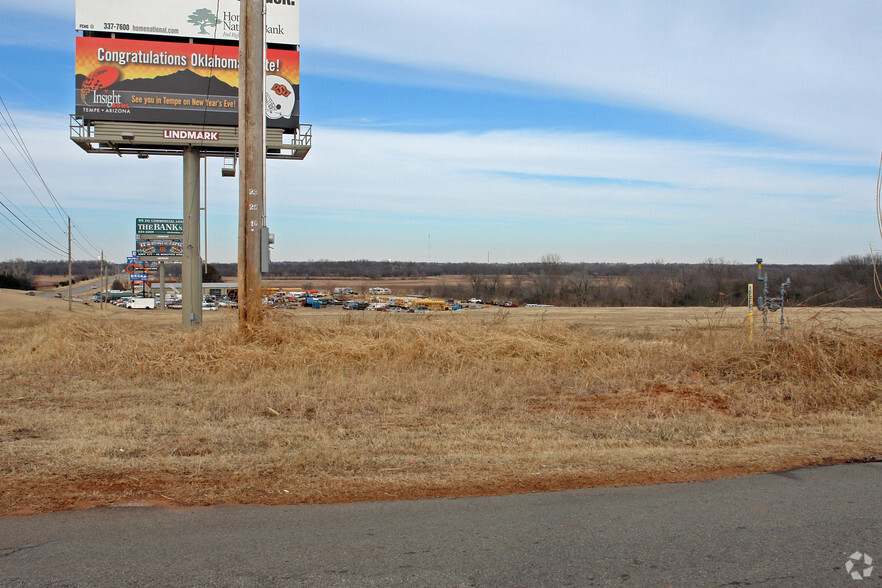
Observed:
{"x":580,"y":287}
{"x":517,"y":286}
{"x":719,"y":275}
{"x":476,"y":278}
{"x":547,"y":280}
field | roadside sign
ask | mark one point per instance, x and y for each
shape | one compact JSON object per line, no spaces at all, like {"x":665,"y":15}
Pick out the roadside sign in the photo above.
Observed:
{"x":139,"y":277}
{"x":159,"y":226}
{"x":133,"y":260}
{"x":160,"y":248}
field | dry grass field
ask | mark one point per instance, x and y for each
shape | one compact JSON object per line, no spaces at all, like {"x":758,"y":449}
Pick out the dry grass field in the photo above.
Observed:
{"x":112,"y":407}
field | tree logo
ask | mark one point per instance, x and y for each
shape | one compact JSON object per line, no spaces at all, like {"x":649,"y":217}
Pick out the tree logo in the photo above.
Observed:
{"x":856,"y":558}
{"x":203,"y":18}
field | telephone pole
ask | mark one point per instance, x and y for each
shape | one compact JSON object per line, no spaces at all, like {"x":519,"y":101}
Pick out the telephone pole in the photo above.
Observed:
{"x":69,"y":265}
{"x":252,"y":153}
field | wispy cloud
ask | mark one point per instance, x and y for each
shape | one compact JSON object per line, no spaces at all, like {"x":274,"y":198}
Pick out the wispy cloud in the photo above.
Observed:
{"x":800,"y":70}
{"x":707,"y":195}
{"x":47,"y":8}
{"x":37,"y":26}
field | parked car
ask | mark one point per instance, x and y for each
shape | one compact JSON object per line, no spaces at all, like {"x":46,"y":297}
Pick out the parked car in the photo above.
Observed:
{"x":32,"y":293}
{"x":475,"y":301}
{"x":508,"y":304}
{"x":58,"y":295}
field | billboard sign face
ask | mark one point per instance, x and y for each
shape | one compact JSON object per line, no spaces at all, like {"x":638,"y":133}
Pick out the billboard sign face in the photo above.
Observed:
{"x":159,"y":226}
{"x":197,"y":19}
{"x":160,"y":248}
{"x":179,"y":83}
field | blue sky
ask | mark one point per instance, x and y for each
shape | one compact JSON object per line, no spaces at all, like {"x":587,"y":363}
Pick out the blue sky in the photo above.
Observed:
{"x":460,"y":131}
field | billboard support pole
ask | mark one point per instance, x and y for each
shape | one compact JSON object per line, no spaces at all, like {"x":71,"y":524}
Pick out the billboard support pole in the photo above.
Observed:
{"x":252,"y":153}
{"x":191,"y":270}
{"x":161,"y":285}
{"x":205,"y":214}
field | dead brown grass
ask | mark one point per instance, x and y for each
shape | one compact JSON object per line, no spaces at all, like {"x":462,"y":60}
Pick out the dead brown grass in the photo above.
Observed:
{"x":363,"y":406}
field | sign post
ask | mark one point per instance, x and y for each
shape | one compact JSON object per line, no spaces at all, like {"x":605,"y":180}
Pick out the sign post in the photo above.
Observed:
{"x":191,"y":271}
{"x":162,"y":285}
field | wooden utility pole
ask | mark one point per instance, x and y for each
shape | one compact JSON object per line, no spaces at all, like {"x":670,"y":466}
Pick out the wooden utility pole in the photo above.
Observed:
{"x":252,"y":153}
{"x":69,"y":265}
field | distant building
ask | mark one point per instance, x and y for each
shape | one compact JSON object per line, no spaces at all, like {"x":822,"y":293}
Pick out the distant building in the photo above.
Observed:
{"x":215,"y":289}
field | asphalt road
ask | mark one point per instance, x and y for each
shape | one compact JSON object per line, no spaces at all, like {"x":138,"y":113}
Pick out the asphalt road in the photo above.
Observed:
{"x":796,"y":528}
{"x":77,"y":291}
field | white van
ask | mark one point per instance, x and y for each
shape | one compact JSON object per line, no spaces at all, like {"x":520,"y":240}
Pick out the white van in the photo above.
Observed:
{"x":141,"y":303}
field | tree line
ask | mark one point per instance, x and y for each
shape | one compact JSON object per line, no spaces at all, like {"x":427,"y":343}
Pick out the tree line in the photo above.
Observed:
{"x":851,"y":281}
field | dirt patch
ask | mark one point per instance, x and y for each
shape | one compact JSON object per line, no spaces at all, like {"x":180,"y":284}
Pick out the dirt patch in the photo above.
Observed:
{"x":169,"y":490}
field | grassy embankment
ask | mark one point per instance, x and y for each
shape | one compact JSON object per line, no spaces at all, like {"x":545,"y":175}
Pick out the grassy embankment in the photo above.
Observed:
{"x":366,"y":406}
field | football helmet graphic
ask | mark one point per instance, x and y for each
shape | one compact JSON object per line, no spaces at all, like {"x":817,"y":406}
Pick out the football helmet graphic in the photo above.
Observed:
{"x":279,"y":97}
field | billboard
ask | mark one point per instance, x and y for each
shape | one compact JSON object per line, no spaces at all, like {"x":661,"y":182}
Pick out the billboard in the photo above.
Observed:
{"x":179,"y":83}
{"x":186,"y":18}
{"x":159,"y":226}
{"x":160,"y":248}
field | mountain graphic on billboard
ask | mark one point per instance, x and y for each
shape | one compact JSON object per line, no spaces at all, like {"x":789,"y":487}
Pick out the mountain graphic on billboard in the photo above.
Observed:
{"x":180,"y":82}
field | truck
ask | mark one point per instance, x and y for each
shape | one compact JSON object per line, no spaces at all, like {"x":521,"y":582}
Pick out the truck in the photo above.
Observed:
{"x":141,"y":303}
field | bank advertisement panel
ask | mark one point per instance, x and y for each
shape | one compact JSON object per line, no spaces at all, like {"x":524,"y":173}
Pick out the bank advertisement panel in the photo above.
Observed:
{"x":159,"y":226}
{"x":178,"y":83}
{"x":198,"y":19}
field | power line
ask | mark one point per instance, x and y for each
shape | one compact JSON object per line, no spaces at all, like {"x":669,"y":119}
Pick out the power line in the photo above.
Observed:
{"x":10,"y":129}
{"x":32,"y":221}
{"x":28,"y":227}
{"x":15,"y":227}
{"x":83,"y":235}
{"x":30,"y":188}
{"x":30,"y":160}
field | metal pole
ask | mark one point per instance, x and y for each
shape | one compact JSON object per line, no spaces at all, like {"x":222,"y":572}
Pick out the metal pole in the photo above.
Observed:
{"x":205,"y":212}
{"x":162,"y":285}
{"x":191,"y":270}
{"x":750,"y":310}
{"x":252,"y":120}
{"x":69,"y":272}
{"x":101,"y":280}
